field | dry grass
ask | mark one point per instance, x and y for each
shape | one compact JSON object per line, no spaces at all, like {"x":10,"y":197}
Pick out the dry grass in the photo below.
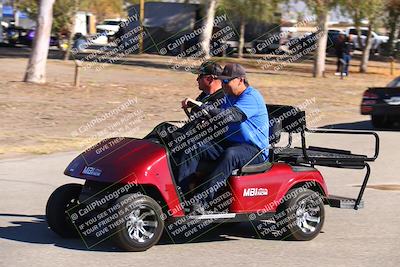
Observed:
{"x":45,"y":118}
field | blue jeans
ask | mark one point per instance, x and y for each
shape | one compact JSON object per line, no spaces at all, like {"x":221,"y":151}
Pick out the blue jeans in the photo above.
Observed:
{"x":229,"y":157}
{"x":347,"y":59}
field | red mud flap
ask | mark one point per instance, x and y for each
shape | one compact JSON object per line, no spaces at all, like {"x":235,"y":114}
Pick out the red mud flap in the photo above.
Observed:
{"x":343,"y":202}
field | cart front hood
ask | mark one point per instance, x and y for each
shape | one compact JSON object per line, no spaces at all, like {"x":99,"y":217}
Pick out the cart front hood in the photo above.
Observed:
{"x":123,"y":160}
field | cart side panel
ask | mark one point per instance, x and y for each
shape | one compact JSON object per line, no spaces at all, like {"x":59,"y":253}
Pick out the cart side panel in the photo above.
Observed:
{"x":262,"y":193}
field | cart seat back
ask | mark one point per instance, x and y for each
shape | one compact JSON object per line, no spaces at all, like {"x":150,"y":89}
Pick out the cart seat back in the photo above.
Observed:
{"x":275,"y":129}
{"x":291,"y":119}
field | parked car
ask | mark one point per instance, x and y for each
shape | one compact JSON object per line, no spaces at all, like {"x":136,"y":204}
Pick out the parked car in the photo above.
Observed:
{"x":18,"y":35}
{"x":377,"y":40}
{"x":15,"y":35}
{"x":397,"y":46}
{"x":110,"y":26}
{"x":307,"y":42}
{"x":333,"y":35}
{"x":382,"y":104}
{"x":28,"y":40}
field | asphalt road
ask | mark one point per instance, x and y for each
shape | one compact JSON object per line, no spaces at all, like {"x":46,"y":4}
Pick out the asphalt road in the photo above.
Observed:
{"x":368,"y":237}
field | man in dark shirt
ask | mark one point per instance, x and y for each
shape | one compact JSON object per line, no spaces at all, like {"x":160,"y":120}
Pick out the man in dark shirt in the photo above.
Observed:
{"x":211,"y":96}
{"x":208,"y":83}
{"x":344,"y":49}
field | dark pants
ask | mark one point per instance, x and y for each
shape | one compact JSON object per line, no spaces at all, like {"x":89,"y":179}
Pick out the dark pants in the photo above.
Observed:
{"x":346,"y":59}
{"x":229,"y":157}
{"x":345,"y":68}
{"x":338,"y":63}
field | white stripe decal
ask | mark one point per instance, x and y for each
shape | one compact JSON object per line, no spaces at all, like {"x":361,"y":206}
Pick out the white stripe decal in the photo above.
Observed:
{"x":213,"y":216}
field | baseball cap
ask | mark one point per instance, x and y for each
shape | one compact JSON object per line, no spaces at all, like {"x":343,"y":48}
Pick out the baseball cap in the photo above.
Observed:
{"x":209,"y":68}
{"x":232,"y":70}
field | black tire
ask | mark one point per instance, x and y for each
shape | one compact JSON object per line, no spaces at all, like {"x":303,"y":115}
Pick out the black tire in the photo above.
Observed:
{"x":303,"y":215}
{"x":127,"y":235}
{"x":379,"y":121}
{"x":62,"y":199}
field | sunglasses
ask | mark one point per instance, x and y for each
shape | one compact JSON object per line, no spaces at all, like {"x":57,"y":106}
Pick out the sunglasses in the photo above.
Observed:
{"x":204,"y":75}
{"x":226,"y":81}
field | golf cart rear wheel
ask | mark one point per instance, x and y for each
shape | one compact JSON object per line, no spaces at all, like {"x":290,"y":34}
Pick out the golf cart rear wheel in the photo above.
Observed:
{"x":142,"y":225}
{"x":304,"y":215}
{"x":63,"y":198}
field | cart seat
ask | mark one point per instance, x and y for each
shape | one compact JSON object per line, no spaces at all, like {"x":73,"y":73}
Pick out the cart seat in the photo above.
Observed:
{"x":254,"y":168}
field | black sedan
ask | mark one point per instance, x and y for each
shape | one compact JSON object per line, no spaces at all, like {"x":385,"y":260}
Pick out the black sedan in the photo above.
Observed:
{"x":383,"y":104}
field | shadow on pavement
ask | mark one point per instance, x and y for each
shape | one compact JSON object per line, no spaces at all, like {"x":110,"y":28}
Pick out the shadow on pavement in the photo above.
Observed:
{"x":33,"y":229}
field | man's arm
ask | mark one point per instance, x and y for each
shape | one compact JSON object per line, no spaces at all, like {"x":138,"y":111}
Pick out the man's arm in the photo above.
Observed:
{"x":235,"y":112}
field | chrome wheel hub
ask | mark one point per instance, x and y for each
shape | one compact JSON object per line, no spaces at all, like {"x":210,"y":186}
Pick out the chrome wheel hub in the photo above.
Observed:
{"x":141,"y":224}
{"x":308,"y":215}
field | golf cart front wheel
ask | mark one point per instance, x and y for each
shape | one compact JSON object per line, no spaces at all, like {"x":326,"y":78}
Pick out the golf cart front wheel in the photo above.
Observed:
{"x":142,"y":225}
{"x":61,"y":200}
{"x":303,"y":217}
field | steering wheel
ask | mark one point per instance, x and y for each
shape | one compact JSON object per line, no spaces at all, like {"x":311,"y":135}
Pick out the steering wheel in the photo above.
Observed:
{"x":186,"y":111}
{"x":196,"y":108}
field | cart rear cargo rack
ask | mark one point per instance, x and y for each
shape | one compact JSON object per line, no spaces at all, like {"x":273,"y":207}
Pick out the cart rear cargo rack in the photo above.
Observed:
{"x":292,"y":120}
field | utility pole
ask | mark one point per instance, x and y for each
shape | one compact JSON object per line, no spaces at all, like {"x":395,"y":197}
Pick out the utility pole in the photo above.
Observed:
{"x":141,"y":32}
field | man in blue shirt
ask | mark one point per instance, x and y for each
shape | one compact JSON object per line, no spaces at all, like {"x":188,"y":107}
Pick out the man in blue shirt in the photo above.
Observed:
{"x":243,"y":118}
{"x":249,"y":106}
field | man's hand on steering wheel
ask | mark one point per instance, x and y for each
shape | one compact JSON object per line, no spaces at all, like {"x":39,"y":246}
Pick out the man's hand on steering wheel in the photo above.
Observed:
{"x":190,"y":103}
{"x":194,"y":105}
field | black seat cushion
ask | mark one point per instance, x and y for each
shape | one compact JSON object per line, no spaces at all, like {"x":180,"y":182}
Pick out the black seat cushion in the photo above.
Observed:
{"x":256,"y":168}
{"x":205,"y":167}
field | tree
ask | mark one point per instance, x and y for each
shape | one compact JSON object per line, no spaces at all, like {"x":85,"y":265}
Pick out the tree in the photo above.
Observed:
{"x":36,"y":70}
{"x":208,"y":26}
{"x":246,"y":10}
{"x":64,"y":12}
{"x":371,"y":10}
{"x":321,"y":10}
{"x":70,"y":25}
{"x":31,"y":7}
{"x":392,"y":9}
{"x":104,"y":8}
